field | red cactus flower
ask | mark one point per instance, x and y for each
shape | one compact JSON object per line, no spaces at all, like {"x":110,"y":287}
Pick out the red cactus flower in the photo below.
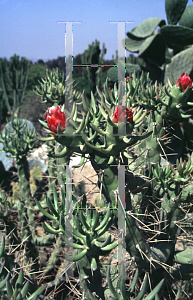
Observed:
{"x":122,"y":112}
{"x":56,"y":117}
{"x":128,"y":77}
{"x":185,"y":81}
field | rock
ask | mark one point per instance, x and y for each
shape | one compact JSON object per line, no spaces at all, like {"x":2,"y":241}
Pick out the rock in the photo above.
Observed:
{"x":39,"y":157}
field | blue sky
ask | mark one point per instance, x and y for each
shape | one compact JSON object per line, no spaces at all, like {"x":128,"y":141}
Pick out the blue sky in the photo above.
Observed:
{"x":29,"y":27}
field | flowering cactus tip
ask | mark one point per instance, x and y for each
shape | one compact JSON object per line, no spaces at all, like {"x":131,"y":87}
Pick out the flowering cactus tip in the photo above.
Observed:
{"x":56,"y":118}
{"x":121,"y":112}
{"x":184,"y":82}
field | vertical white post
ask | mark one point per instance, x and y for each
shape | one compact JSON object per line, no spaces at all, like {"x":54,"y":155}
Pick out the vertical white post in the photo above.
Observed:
{"x":122,"y":132}
{"x":68,"y":218}
{"x":69,"y":66}
{"x":68,"y":69}
{"x":68,"y":107}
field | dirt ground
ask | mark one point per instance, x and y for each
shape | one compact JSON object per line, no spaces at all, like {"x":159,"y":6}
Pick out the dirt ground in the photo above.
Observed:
{"x":85,"y":179}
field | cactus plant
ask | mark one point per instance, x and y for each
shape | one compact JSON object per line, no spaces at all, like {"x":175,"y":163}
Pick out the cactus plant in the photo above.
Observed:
{"x":13,"y":79}
{"x":90,"y":58}
{"x":116,"y":131}
{"x":99,"y":128}
{"x":171,"y":42}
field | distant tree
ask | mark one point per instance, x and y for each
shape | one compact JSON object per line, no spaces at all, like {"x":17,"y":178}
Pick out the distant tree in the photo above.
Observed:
{"x":77,"y":71}
{"x":52,"y":64}
{"x":61,"y":63}
{"x":40,"y":61}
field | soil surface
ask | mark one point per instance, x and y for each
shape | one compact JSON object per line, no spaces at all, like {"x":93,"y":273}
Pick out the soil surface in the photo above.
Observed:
{"x":85,"y":180}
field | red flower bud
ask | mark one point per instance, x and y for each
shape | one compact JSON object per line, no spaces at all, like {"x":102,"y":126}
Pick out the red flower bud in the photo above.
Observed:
{"x":56,"y":117}
{"x":128,"y":77}
{"x":120,"y":113}
{"x":185,"y":81}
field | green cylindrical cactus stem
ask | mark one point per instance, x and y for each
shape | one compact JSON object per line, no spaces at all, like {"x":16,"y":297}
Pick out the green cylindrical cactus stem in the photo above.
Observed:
{"x":26,"y":213}
{"x":136,"y":244}
{"x":14,"y":78}
{"x":51,"y":172}
{"x":22,"y":219}
{"x":61,"y":167}
{"x":171,"y":204}
{"x":8,"y":220}
{"x":155,"y":150}
{"x":30,"y":250}
{"x":23,"y":174}
{"x":89,"y":280}
{"x":4,"y":71}
{"x":154,"y":142}
{"x":55,"y":255}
